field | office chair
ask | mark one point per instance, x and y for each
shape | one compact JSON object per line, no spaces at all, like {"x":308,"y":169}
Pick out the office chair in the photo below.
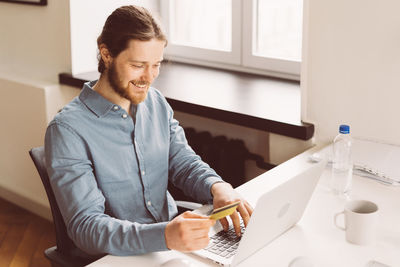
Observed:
{"x":65,"y":253}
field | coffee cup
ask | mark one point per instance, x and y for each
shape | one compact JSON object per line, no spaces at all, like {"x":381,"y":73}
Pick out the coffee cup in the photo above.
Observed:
{"x":360,"y":219}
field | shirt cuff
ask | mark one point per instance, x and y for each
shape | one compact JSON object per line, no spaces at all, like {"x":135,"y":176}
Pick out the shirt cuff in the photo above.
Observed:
{"x":210,"y":181}
{"x":153,"y":236}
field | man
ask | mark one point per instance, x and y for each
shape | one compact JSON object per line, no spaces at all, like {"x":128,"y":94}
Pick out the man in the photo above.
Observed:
{"x":112,"y":150}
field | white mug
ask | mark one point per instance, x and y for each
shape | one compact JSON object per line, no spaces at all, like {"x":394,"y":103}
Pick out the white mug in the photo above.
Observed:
{"x":360,"y":217}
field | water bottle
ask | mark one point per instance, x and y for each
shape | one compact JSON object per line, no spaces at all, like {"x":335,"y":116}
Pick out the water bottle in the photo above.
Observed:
{"x":342,"y":165}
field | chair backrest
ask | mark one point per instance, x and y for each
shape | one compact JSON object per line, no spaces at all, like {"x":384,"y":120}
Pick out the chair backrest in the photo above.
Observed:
{"x":64,"y":244}
{"x":71,"y":254}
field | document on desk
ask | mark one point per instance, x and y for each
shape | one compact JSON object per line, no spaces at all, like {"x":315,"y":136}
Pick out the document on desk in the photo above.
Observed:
{"x":376,"y":160}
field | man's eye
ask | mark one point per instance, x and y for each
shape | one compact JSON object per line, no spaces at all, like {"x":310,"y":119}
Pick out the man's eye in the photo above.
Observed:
{"x":137,"y":66}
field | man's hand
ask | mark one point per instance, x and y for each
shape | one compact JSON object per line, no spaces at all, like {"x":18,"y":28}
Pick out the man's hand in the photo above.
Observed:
{"x":224,"y":194}
{"x":188,"y":232}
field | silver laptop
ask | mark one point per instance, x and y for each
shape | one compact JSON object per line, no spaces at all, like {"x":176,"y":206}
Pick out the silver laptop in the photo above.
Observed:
{"x":276,"y":211}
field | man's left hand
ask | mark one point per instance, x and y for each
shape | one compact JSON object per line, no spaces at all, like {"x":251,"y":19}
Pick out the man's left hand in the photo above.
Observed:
{"x":224,"y":194}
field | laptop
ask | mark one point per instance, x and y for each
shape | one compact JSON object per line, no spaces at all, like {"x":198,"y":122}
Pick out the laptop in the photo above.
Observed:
{"x":276,"y":211}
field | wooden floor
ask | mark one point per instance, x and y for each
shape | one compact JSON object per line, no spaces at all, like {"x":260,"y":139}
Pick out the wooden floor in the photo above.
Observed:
{"x":23,"y":237}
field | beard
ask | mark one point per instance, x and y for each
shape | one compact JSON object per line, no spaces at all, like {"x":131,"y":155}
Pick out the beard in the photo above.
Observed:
{"x":128,"y":91}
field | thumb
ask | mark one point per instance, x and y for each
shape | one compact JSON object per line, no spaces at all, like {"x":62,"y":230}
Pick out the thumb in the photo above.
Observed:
{"x":190,"y":214}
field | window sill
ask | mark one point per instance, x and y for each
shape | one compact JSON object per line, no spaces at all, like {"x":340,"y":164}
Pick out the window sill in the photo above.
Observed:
{"x":249,"y":100}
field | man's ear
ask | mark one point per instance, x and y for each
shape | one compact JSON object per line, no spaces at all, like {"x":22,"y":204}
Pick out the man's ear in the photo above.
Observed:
{"x":105,"y":55}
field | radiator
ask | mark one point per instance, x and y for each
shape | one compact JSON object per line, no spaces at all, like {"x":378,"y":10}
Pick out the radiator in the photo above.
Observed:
{"x":226,"y":156}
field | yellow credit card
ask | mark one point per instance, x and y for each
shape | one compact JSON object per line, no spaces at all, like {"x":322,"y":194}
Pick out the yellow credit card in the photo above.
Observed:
{"x":222,"y":212}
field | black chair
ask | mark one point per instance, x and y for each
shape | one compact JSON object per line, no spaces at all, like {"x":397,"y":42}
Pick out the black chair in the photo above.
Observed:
{"x":65,"y":253}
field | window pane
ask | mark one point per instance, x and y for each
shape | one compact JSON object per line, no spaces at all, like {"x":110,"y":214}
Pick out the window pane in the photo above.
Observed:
{"x":279,"y":29}
{"x":204,"y":24}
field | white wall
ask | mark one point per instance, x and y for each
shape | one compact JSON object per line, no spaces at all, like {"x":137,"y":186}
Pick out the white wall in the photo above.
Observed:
{"x":34,"y":40}
{"x":351,"y":68}
{"x":26,"y":107}
{"x":34,"y":49}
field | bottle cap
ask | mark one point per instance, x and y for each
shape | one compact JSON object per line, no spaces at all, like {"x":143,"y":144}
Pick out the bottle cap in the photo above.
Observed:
{"x":344,"y":129}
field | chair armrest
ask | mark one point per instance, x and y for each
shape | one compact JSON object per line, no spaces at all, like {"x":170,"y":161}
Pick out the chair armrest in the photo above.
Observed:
{"x":188,"y":205}
{"x":58,"y":259}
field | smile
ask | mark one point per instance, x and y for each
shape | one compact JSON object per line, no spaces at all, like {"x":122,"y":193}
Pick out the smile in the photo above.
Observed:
{"x":140,"y":85}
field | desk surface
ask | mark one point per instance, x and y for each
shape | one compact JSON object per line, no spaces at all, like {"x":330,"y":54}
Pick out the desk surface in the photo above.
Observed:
{"x":315,"y":236}
{"x":249,"y":100}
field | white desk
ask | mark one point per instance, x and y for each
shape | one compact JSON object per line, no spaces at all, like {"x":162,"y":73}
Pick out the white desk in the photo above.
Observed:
{"x":315,"y":236}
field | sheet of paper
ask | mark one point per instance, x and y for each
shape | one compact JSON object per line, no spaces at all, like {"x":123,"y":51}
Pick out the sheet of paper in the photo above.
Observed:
{"x":371,"y":159}
{"x":379,"y":157}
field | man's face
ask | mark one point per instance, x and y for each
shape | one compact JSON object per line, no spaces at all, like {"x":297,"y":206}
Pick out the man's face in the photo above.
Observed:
{"x":135,"y":68}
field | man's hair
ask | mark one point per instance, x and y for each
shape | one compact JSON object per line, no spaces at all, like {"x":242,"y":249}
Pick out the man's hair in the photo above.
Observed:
{"x":124,"y":24}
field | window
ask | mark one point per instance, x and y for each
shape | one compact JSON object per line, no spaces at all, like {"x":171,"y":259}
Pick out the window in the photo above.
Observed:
{"x":188,"y":26}
{"x":278,"y":29}
{"x":261,"y":36}
{"x":202,"y":30}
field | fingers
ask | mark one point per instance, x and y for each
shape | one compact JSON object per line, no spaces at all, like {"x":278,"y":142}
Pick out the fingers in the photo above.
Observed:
{"x":236,"y":223}
{"x":224,"y":194}
{"x":194,"y":224}
{"x":196,"y":221}
{"x":225,"y":224}
{"x":249,"y":208}
{"x":196,"y":244}
{"x":197,"y":224}
{"x":188,"y":232}
{"x":192,"y":241}
{"x":199,"y":234}
{"x":190,"y":214}
{"x":245,"y":211}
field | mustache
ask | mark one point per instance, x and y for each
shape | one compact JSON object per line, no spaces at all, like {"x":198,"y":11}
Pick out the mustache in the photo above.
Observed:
{"x":141,"y":83}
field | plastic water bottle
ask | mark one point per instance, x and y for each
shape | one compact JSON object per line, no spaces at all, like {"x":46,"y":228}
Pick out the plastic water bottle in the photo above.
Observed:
{"x":342,"y":166}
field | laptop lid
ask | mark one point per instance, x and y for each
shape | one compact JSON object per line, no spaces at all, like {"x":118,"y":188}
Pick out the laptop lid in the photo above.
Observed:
{"x":278,"y":210}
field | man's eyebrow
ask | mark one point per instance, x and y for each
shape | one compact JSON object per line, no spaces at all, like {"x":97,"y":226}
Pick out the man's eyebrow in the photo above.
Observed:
{"x":143,"y":62}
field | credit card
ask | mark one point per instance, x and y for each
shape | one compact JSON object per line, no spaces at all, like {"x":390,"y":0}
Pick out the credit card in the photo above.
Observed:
{"x":222,"y":212}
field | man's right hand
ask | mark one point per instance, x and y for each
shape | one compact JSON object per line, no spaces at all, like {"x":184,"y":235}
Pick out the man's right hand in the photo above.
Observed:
{"x":188,"y":232}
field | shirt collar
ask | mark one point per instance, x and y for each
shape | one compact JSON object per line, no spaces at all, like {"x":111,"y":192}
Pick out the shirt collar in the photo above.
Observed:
{"x":94,"y":101}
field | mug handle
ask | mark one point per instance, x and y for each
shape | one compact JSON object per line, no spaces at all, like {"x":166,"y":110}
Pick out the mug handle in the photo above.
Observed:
{"x":336,"y":223}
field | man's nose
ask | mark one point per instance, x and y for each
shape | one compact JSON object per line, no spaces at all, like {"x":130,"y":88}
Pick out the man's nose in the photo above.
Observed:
{"x":148,"y":74}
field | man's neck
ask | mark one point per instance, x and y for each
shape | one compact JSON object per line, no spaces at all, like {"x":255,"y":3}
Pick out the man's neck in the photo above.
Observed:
{"x":103,"y":87}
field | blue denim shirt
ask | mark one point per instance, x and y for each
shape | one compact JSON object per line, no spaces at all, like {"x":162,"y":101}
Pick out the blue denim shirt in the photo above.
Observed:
{"x":109,"y":171}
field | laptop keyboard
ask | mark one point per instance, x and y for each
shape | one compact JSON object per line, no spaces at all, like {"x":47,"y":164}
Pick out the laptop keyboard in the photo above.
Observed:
{"x":224,"y":243}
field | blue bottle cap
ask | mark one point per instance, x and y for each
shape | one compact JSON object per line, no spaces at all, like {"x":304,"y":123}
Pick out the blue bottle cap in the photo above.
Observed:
{"x":344,"y":129}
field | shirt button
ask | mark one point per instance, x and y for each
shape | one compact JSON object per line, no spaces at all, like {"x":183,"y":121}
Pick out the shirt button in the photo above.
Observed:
{"x":124,"y":116}
{"x":143,"y":173}
{"x":149,"y":203}
{"x":115,"y":108}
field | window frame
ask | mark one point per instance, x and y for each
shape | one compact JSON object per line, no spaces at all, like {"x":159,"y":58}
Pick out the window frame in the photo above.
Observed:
{"x":241,"y":57}
{"x":196,"y":53}
{"x":250,"y":60}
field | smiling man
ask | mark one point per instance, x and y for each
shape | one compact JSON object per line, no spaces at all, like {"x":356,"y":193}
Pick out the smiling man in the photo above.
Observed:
{"x":113,"y":149}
